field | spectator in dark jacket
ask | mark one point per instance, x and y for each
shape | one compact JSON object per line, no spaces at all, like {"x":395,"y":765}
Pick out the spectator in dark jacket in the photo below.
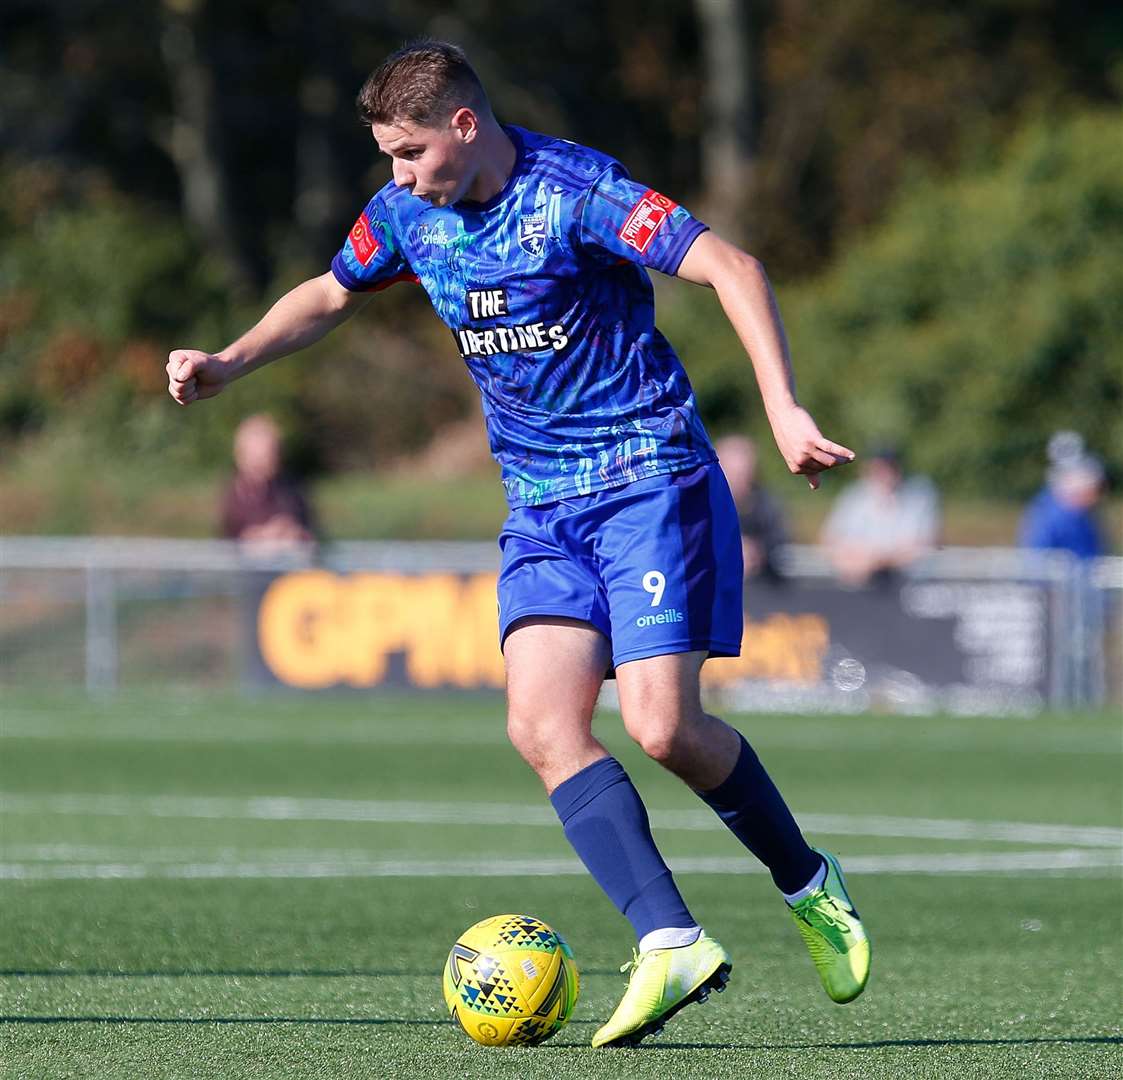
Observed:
{"x":261,"y":505}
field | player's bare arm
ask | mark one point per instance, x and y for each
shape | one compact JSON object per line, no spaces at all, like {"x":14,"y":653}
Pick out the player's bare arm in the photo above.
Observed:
{"x":300,"y":318}
{"x":750,"y":305}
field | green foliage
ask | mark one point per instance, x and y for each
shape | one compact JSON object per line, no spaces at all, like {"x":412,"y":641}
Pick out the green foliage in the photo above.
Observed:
{"x":984,"y":314}
{"x":93,"y":297}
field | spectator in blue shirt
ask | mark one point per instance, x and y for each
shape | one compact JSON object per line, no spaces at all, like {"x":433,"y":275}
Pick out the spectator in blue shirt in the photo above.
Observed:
{"x":1061,"y":516}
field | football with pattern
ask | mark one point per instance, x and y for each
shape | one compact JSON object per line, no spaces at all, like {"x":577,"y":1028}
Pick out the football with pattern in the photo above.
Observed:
{"x":510,"y":981}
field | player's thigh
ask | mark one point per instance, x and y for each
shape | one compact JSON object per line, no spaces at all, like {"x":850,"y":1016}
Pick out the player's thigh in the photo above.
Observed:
{"x":660,"y":696}
{"x":555,"y":668}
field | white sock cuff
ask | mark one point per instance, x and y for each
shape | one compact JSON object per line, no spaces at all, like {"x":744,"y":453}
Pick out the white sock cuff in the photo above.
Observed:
{"x":816,"y":882}
{"x":669,"y":937}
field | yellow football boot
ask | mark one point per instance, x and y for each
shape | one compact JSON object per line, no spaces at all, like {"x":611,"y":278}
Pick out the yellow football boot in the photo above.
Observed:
{"x":834,"y":935}
{"x":662,"y":982}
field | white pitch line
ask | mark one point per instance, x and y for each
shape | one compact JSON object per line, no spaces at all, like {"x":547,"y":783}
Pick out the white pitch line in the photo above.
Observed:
{"x":189,"y":853}
{"x":1023,"y":862}
{"x":283,"y":808}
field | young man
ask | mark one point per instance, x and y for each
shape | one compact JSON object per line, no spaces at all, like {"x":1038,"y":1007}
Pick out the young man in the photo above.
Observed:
{"x":622,"y":548}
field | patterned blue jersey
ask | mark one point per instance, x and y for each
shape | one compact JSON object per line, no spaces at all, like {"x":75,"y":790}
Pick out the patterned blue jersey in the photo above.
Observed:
{"x":545,"y":291}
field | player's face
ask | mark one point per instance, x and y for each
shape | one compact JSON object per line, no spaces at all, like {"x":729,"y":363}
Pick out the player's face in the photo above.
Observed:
{"x":435,"y":163}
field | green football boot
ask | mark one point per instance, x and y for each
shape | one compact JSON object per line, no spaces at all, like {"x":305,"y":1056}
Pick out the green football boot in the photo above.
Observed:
{"x":662,"y":982}
{"x":834,"y":935}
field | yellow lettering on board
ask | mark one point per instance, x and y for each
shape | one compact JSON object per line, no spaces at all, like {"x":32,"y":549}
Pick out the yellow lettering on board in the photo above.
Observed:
{"x":449,"y":637}
{"x":484,"y":629}
{"x":317,"y":629}
{"x":375,"y":614}
{"x":297,"y":626}
{"x":787,"y":648}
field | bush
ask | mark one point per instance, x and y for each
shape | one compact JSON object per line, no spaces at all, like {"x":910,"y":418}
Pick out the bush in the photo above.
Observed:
{"x":985,"y":314}
{"x":93,"y":297}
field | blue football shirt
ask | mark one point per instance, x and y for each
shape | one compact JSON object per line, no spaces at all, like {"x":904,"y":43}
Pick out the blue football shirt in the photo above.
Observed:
{"x":545,"y":290}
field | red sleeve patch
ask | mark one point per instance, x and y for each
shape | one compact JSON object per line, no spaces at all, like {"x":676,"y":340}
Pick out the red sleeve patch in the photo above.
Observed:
{"x":362,"y":240}
{"x":645,"y":220}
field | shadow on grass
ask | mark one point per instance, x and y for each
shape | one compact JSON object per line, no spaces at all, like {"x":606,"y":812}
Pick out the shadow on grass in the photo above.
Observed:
{"x":242,"y":973}
{"x":359,"y":1021}
{"x":875,"y":1044}
{"x":355,"y":1021}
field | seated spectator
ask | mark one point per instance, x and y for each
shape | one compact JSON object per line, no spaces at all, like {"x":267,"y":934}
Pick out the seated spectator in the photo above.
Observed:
{"x":261,"y":505}
{"x":763,"y":530}
{"x":1061,"y":517}
{"x":882,"y":522}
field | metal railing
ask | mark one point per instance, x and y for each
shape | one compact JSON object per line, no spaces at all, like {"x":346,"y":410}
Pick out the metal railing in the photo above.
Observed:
{"x":105,"y":612}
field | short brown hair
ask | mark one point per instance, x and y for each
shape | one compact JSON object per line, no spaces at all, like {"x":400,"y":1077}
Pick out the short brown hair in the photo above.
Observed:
{"x":425,"y":82}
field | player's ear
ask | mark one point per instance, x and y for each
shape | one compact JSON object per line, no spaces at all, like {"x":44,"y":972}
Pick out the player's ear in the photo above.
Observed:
{"x":465,"y":123}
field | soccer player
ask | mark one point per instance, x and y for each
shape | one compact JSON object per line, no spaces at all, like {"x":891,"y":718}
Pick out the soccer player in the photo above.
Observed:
{"x":621,"y":551}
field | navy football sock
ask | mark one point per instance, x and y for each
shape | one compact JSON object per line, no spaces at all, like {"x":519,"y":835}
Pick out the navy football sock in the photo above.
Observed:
{"x":755,"y":812}
{"x":607,"y":825}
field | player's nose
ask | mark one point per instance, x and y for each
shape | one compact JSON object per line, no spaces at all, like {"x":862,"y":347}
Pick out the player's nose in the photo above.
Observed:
{"x":403,"y":175}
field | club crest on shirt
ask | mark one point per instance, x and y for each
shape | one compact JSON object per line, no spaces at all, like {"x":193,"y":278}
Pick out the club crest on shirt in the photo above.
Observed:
{"x":532,"y":233}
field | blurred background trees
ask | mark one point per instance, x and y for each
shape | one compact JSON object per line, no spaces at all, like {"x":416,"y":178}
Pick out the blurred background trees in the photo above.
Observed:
{"x":931,"y":186}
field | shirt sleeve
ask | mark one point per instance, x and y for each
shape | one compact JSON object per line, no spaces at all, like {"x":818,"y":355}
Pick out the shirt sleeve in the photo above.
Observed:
{"x":370,"y":258}
{"x":620,"y":219}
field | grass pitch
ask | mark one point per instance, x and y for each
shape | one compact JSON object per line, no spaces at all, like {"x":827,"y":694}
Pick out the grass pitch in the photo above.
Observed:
{"x":268,"y":888}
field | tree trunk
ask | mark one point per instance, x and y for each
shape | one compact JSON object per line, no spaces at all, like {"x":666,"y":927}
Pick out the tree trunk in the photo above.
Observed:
{"x":322,"y":205}
{"x":727,"y":154}
{"x":195,"y":144}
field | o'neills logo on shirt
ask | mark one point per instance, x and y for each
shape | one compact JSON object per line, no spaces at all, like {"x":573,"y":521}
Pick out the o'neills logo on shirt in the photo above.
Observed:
{"x":645,"y":219}
{"x":362,"y":240}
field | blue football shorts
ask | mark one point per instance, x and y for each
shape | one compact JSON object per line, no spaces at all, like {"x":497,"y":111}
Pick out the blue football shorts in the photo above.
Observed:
{"x":655,"y":565}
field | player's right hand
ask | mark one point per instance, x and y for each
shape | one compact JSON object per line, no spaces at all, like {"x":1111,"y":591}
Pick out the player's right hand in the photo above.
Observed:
{"x":194,"y":375}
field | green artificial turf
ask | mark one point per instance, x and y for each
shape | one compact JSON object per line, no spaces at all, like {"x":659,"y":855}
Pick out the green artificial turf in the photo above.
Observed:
{"x":223,"y":887}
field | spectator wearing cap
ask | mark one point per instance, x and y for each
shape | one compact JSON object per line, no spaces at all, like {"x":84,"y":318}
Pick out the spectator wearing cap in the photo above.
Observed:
{"x":882,"y":522}
{"x":1061,"y":517}
{"x":763,"y":529}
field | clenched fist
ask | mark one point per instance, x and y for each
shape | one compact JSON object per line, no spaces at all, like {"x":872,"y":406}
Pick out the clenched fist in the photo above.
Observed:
{"x":194,"y":375}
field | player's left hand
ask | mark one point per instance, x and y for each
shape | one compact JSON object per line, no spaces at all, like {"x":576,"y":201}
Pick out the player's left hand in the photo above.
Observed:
{"x":804,"y":447}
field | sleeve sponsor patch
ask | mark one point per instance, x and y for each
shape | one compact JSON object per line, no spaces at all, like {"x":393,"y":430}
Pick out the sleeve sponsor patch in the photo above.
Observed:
{"x":645,"y":220}
{"x":362,"y":240}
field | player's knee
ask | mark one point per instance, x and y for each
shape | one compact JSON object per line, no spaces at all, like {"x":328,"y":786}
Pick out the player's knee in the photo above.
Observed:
{"x":521,"y":730}
{"x":666,"y":735}
{"x":530,"y":736}
{"x":659,"y":741}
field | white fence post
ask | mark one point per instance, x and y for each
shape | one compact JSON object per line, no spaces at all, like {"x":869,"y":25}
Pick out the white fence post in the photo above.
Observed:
{"x":101,"y":631}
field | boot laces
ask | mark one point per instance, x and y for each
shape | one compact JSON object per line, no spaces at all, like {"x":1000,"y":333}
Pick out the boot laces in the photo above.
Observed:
{"x":632,"y":966}
{"x":822,"y":908}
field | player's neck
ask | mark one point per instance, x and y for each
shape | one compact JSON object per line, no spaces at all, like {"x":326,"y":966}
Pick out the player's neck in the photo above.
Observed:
{"x":498,"y":156}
